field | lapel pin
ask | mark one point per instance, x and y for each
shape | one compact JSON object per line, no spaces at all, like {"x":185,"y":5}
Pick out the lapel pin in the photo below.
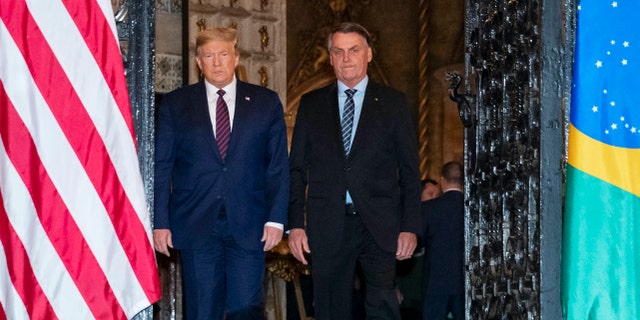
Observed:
{"x":247,"y":98}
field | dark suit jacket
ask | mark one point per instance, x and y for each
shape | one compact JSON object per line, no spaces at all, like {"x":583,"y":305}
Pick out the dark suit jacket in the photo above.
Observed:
{"x":381,"y":171}
{"x":191,"y":180}
{"x":444,"y":243}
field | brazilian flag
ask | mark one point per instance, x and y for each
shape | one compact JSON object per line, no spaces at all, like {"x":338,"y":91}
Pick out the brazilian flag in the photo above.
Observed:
{"x":601,"y":236}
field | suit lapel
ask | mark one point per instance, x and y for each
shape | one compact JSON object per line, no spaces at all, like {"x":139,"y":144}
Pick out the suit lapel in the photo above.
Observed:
{"x":334,"y":108}
{"x":243,"y":103}
{"x":201,"y":113}
{"x":368,"y":111}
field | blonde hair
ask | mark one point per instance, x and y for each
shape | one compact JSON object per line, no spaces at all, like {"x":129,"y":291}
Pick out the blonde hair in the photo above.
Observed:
{"x":217,"y":34}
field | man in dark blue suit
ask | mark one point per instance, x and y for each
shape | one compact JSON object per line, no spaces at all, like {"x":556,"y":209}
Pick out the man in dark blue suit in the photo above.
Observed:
{"x":444,"y":248}
{"x":221,"y":183}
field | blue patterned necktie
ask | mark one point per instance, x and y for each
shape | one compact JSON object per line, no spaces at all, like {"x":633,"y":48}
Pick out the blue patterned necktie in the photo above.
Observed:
{"x":223,"y":127}
{"x":347,"y":120}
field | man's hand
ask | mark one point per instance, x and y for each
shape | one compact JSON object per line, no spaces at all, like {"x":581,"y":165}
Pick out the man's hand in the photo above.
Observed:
{"x":299,"y":244}
{"x":407,"y":242}
{"x":162,"y":241}
{"x":271,"y":236}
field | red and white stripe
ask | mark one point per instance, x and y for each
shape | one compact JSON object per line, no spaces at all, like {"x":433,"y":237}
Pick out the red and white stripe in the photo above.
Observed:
{"x":75,"y":238}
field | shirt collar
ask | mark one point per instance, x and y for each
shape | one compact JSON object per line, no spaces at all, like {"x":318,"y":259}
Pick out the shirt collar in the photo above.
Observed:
{"x":230,"y":90}
{"x":361,"y":86}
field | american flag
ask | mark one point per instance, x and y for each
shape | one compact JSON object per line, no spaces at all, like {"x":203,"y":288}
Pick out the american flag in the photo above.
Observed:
{"x":75,"y":238}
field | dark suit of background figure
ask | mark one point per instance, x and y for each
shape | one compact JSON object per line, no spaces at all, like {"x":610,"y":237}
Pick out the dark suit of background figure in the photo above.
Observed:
{"x":381,"y":174}
{"x":216,"y":209}
{"x":410,"y":272}
{"x":444,"y":252}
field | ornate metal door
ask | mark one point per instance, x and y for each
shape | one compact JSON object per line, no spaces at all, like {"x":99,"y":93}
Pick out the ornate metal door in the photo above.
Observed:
{"x":516,"y":83}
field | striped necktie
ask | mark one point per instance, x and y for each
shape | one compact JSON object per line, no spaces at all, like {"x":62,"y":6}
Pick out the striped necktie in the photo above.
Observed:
{"x":223,"y":127}
{"x":347,"y":120}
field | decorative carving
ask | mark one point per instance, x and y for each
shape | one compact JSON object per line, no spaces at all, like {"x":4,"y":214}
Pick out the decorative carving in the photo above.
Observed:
{"x":202,"y":24}
{"x":264,"y":37}
{"x":168,"y":6}
{"x":264,"y":4}
{"x":232,"y":3}
{"x":287,"y":268}
{"x":264,"y":76}
{"x":502,"y":163}
{"x":464,"y":108}
{"x":168,"y":72}
{"x":335,"y":11}
{"x":281,"y":263}
{"x":337,"y":6}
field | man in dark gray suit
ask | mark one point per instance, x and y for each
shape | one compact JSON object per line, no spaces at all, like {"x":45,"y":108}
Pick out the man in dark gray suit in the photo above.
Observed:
{"x":444,"y":248}
{"x":221,"y":182}
{"x":355,"y":183}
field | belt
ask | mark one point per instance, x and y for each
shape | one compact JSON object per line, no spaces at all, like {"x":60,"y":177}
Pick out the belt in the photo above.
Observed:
{"x":350,"y":210}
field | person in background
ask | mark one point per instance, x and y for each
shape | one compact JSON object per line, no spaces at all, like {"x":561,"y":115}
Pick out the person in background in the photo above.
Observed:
{"x":410,"y":271}
{"x":430,"y":190}
{"x":444,"y":248}
{"x":355,"y":183}
{"x":221,"y":183}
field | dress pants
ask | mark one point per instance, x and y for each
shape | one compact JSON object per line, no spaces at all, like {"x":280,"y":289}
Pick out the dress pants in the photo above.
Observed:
{"x":223,"y":278}
{"x":333,"y":277}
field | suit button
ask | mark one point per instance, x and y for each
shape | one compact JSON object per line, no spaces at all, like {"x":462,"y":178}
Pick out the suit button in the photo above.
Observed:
{"x":347,"y":169}
{"x":224,"y":169}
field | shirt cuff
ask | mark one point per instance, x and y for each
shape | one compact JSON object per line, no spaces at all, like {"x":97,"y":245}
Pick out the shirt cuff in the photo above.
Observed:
{"x":275,"y":225}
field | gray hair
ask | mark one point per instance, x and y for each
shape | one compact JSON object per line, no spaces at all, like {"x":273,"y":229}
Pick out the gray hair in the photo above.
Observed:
{"x":349,"y":27}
